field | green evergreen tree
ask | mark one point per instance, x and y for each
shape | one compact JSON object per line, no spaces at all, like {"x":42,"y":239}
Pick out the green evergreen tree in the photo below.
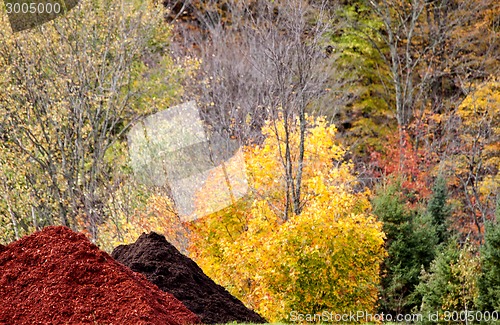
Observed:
{"x":438,"y":282}
{"x":489,"y":280}
{"x":439,"y":210}
{"x":451,"y":282}
{"x":411,"y":242}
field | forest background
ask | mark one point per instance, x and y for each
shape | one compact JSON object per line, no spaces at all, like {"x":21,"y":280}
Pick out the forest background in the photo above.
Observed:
{"x":370,"y":131}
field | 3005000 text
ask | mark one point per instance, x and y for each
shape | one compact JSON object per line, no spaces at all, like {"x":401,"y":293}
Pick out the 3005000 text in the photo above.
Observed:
{"x":33,"y":8}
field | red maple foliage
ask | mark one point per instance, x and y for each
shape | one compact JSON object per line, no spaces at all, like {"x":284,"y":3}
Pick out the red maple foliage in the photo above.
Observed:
{"x":406,"y":164}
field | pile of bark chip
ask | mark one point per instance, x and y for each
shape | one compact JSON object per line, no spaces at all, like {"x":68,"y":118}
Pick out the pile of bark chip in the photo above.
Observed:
{"x":177,"y":274}
{"x":56,"y":276}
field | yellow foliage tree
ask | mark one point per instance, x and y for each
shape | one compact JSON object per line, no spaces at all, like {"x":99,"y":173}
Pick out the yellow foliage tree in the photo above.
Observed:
{"x":326,"y":258}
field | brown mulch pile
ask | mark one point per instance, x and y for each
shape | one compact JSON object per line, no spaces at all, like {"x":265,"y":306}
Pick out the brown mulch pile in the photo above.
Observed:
{"x":56,"y":276}
{"x":163,"y":265}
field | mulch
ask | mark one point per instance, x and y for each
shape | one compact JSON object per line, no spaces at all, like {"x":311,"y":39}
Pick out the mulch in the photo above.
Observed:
{"x":163,"y":265}
{"x":57,"y":276}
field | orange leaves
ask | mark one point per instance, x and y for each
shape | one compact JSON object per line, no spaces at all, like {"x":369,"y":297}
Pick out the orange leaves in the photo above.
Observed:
{"x":158,"y":216}
{"x":412,"y":166}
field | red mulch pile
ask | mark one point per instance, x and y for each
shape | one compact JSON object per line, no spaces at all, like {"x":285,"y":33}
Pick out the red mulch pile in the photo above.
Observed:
{"x":56,"y":276}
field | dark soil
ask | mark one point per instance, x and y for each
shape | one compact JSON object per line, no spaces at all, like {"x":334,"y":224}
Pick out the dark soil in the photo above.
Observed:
{"x":56,"y":276}
{"x":165,"y":266}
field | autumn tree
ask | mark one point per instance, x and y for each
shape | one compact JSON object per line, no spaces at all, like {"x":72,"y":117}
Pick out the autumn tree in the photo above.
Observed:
{"x":475,"y":156}
{"x":368,"y":114}
{"x":402,"y":28}
{"x":430,"y":44}
{"x":325,"y":258}
{"x":435,"y":51}
{"x":70,"y":89}
{"x":264,"y":60}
